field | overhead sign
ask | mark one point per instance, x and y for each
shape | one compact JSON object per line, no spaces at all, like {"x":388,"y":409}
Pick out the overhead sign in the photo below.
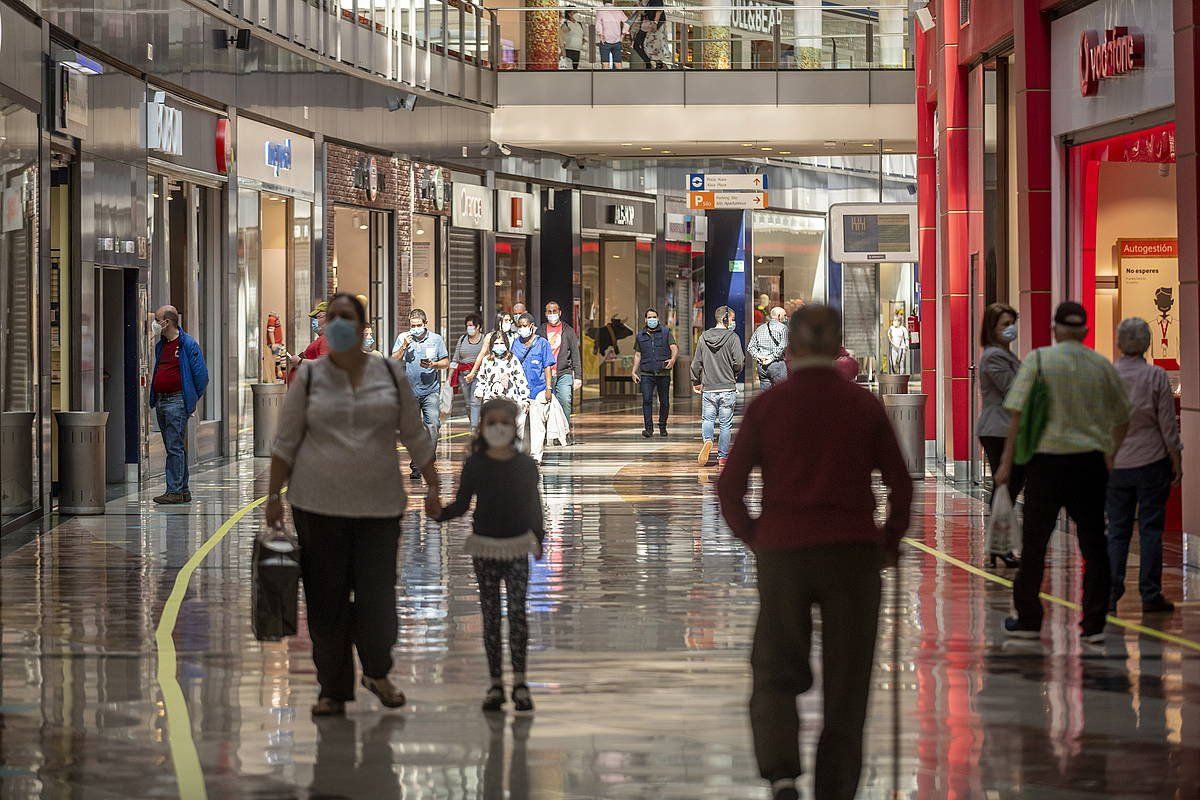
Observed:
{"x":703,"y":201}
{"x":164,"y":126}
{"x":1120,"y":53}
{"x":865,"y":232}
{"x":700,"y":182}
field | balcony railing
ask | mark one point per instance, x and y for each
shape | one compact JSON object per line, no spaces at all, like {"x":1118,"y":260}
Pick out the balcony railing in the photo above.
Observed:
{"x":726,"y":35}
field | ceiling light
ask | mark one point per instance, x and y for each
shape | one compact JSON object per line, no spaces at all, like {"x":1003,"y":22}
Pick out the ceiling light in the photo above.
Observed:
{"x":760,"y":259}
{"x":867,"y":144}
{"x":420,"y":231}
{"x":626,"y":144}
{"x":647,"y":148}
{"x":785,"y":152}
{"x":766,"y":149}
{"x":616,"y":255}
{"x":747,"y":144}
{"x":665,"y":152}
{"x":830,"y":144}
{"x":362,"y":227}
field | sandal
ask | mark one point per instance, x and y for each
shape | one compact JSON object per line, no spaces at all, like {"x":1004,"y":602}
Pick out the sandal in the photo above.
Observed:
{"x":389,"y":695}
{"x":328,"y":707}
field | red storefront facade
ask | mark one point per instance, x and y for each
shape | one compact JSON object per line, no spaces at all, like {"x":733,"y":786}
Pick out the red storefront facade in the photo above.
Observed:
{"x":1056,"y":143}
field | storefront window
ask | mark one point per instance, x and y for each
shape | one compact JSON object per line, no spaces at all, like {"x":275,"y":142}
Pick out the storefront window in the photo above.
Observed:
{"x":789,"y":261}
{"x":512,"y":272}
{"x":249,"y":352}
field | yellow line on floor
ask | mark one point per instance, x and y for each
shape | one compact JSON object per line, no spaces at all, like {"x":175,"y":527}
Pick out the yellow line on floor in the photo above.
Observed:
{"x":184,"y":757}
{"x":1005,"y":582}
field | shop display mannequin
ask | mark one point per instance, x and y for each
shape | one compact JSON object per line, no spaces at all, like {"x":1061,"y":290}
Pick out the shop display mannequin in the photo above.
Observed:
{"x":898,"y":347}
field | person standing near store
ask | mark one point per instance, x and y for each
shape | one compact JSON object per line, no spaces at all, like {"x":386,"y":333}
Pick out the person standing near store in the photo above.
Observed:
{"x":537,"y":362}
{"x":611,"y":27}
{"x":715,"y":368}
{"x":424,"y":355}
{"x":1149,"y":462}
{"x":179,"y":380}
{"x":654,"y":354}
{"x":317,"y":347}
{"x":768,"y":346}
{"x":571,"y":36}
{"x":568,"y":363}
{"x":998,"y":366}
{"x":336,"y":453}
{"x":1086,"y":422}
{"x":816,"y":542}
{"x":462,"y":363}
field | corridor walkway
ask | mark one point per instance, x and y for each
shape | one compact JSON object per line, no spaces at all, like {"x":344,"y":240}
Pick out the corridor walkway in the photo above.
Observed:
{"x":641,"y":617}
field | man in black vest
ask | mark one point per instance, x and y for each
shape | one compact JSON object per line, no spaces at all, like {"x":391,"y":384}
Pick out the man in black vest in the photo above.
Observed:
{"x":654,"y":354}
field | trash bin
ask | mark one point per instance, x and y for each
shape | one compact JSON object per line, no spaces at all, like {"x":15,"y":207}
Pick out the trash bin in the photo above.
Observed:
{"x":907,"y":413}
{"x":16,"y":462}
{"x":81,"y":461}
{"x":268,"y":405}
{"x":893,"y":384}
{"x":681,"y":377}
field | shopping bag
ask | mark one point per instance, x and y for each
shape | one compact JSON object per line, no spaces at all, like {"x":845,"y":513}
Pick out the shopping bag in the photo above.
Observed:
{"x":275,"y":585}
{"x":565,"y":63}
{"x":447,"y":399}
{"x":1034,"y":417}
{"x":1002,"y":524}
{"x":557,"y":424}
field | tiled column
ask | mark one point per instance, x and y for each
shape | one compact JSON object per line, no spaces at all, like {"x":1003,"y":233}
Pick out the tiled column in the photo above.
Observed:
{"x":1031,"y":76}
{"x":541,"y":36}
{"x":1187,"y":104}
{"x":927,"y":233}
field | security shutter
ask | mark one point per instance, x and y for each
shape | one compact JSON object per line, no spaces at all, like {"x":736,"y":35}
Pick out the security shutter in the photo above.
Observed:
{"x":462,"y":271}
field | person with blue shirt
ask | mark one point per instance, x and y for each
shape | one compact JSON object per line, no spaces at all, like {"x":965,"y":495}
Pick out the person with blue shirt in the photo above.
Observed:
{"x":424,"y":355}
{"x":537,"y":362}
{"x":179,"y":380}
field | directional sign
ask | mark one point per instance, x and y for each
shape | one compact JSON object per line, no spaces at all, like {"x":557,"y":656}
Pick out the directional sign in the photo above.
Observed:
{"x":698,"y":201}
{"x":699,"y":182}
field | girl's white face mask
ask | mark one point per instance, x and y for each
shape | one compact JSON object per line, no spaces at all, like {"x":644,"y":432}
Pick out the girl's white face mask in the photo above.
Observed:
{"x":499,"y":434}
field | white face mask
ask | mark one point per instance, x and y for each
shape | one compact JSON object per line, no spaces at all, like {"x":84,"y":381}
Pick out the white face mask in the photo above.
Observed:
{"x":506,"y":327}
{"x":499,"y":434}
{"x":524,"y":332}
{"x":156,"y":329}
{"x":417,"y":330}
{"x":471,"y":330}
{"x":553,"y":318}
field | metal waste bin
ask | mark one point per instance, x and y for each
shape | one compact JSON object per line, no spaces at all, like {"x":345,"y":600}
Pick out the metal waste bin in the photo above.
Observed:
{"x":893,"y":384}
{"x":681,"y":377}
{"x":268,"y":406}
{"x":16,"y":462}
{"x":81,"y":461}
{"x":907,"y":413}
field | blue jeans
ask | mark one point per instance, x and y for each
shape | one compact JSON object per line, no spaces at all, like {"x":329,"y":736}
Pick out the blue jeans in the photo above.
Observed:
{"x":717,"y":407}
{"x":564,"y":391}
{"x":610,"y":53}
{"x":431,"y":413}
{"x":172,"y":423}
{"x":1140,"y":492}
{"x":473,"y":404}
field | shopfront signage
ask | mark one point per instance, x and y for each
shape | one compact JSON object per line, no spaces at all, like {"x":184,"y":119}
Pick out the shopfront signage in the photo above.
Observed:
{"x":1149,"y":288}
{"x":622,"y":214}
{"x":472,"y":207}
{"x":223,"y":147}
{"x":278,"y":155}
{"x":164,"y":126}
{"x":275,"y":159}
{"x":1117,"y":53}
{"x":754,"y":17}
{"x":439,"y":190}
{"x":517,"y":212}
{"x":367,"y":178}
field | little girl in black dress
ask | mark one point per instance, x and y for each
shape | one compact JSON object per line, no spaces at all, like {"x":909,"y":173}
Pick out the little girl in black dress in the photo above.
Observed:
{"x":508,"y":528}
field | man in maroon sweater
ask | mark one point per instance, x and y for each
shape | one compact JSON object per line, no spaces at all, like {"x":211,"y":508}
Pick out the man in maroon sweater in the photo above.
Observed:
{"x":817,"y":439}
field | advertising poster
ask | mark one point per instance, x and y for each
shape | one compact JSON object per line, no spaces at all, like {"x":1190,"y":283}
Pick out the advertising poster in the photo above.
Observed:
{"x":1149,"y":274}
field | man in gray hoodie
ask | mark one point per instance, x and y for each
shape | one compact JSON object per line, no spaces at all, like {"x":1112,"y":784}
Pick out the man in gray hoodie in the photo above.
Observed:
{"x":715,"y":367}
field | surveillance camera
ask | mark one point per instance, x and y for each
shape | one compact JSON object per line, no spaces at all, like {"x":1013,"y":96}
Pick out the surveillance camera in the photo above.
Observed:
{"x":505,"y":150}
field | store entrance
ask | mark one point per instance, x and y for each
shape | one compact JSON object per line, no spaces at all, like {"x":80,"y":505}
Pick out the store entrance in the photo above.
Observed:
{"x":116,"y":356}
{"x":362,"y":261}
{"x":618,"y":287}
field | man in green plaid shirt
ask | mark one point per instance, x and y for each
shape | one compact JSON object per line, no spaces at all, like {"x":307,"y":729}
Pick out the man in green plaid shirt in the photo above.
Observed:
{"x":1087,"y":420}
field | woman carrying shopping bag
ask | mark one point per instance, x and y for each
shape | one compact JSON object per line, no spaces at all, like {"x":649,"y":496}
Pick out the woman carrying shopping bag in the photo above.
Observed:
{"x":998,"y":366}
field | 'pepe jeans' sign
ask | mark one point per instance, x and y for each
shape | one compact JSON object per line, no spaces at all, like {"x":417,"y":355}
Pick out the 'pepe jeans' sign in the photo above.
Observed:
{"x":1120,"y":53}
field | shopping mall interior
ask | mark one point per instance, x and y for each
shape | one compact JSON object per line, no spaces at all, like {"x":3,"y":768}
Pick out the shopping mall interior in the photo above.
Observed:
{"x":200,"y":196}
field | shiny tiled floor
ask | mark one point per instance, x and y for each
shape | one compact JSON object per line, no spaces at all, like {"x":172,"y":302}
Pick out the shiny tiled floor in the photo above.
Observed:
{"x":641,"y":621}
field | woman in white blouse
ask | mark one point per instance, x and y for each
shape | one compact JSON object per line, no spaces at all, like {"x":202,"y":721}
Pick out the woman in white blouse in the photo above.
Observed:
{"x":336,"y":452}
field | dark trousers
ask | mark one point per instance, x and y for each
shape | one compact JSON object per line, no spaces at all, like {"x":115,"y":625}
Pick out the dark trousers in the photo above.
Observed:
{"x":993,"y":450}
{"x":843,"y":581}
{"x":1078,"y":483}
{"x":639,"y":46}
{"x":340,"y":556}
{"x":650,"y":384}
{"x":1140,"y":492}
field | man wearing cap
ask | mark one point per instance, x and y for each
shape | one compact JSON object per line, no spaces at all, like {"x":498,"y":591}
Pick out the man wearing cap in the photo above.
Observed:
{"x":1086,"y":423}
{"x":318,"y":347}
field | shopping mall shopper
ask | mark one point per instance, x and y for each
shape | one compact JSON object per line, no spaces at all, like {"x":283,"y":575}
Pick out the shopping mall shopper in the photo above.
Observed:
{"x":1149,"y":461}
{"x":424,"y":355}
{"x":998,"y":366}
{"x":652,"y":18}
{"x":179,"y":380}
{"x":336,"y":452}
{"x":571,"y":37}
{"x":537,"y":360}
{"x":654,"y":354}
{"x":518,"y":309}
{"x":507,"y":528}
{"x":499,"y":374}
{"x":611,"y":27}
{"x":568,"y":368}
{"x":715,"y":368}
{"x":317,"y":347}
{"x":1085,"y":422}
{"x":816,"y":543}
{"x":462,"y":363}
{"x":768,"y":346}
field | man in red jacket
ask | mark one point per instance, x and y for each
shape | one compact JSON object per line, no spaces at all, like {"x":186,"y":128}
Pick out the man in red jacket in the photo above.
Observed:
{"x":817,"y":439}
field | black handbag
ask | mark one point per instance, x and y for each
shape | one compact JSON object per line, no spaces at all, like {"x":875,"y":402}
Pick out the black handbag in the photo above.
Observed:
{"x":275,"y":586}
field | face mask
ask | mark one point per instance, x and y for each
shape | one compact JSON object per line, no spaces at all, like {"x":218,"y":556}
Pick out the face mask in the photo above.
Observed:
{"x":417,"y":331}
{"x":342,"y":335}
{"x":651,"y":322}
{"x":316,"y":326}
{"x":471,"y":330}
{"x":369,"y":342}
{"x":524,"y":332}
{"x":499,"y":348}
{"x":506,"y":327}
{"x":156,"y":329}
{"x":499,"y":434}
{"x":1009,"y":334}
{"x":553,"y":318}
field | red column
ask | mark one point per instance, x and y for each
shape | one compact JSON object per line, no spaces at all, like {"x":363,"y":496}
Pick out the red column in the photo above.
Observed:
{"x":1187,"y":164}
{"x":1031,"y":77}
{"x":927,"y":226}
{"x":954,"y":262}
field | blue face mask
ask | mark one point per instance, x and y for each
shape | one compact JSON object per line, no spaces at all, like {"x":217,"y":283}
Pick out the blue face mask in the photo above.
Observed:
{"x":316,"y":326}
{"x":369,"y":342}
{"x":1009,"y":334}
{"x":499,"y":348}
{"x":342,"y":335}
{"x":651,"y":322}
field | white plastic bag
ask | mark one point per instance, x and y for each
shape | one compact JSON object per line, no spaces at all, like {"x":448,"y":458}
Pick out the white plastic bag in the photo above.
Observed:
{"x":447,"y":399}
{"x":1002,"y":524}
{"x":557,"y":424}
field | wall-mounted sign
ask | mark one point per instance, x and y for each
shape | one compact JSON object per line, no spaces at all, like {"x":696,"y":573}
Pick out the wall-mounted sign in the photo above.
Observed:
{"x":755,"y":17}
{"x":1149,"y":288}
{"x":278,"y":155}
{"x":472,"y":207}
{"x":367,"y":178}
{"x":164,"y":126}
{"x":865,"y":232}
{"x":517,"y":212}
{"x":439,"y":189}
{"x":1118,"y":53}
{"x":622,"y":214}
{"x":223,"y":147}
{"x":269,"y":157}
{"x":599,"y":212}
{"x":714,"y":200}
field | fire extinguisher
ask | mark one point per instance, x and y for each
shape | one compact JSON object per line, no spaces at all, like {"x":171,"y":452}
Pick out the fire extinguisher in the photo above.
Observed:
{"x":914,"y":331}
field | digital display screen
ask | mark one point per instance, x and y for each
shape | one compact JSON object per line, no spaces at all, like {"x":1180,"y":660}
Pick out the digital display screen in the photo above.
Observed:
{"x":876,"y":233}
